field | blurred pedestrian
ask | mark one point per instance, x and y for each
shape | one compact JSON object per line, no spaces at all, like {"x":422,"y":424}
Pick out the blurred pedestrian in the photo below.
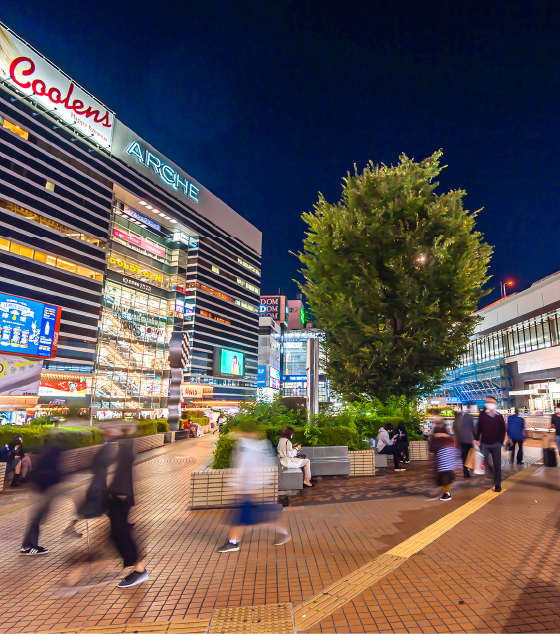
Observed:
{"x":442,"y":445}
{"x":555,"y":420}
{"x":490,"y":434}
{"x":463,"y":428}
{"x":516,"y":433}
{"x":47,"y":476}
{"x":253,"y":459}
{"x":120,"y":502}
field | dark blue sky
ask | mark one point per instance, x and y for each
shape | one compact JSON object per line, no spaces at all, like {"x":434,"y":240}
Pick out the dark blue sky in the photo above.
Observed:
{"x":267,"y":103}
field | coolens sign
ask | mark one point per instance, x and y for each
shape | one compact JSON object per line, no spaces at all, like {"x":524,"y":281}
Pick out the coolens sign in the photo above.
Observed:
{"x":44,"y":83}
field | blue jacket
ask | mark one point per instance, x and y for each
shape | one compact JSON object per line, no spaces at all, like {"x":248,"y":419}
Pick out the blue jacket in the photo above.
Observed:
{"x":516,"y":428}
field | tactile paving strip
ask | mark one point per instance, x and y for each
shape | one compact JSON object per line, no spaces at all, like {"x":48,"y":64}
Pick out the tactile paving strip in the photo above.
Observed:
{"x":262,"y":619}
{"x":313,"y":610}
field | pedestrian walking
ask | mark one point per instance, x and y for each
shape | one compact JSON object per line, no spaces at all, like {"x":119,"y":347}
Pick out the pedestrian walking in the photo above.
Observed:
{"x":442,"y":446}
{"x":516,"y":433}
{"x":463,"y":429}
{"x":120,"y":502}
{"x":555,"y":421}
{"x":47,"y":476}
{"x":490,"y":434}
{"x":254,"y":461}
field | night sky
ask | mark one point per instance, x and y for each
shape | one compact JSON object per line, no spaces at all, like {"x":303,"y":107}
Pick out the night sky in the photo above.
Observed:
{"x":267,"y":103}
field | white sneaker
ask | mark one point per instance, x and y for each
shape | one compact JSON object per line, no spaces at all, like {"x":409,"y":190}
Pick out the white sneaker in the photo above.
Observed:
{"x":401,"y":469}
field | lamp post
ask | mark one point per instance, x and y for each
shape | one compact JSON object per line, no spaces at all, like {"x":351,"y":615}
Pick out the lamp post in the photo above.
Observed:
{"x":503,"y":287}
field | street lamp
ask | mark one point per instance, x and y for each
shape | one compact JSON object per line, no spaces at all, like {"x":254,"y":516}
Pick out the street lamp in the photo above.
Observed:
{"x":503,"y":287}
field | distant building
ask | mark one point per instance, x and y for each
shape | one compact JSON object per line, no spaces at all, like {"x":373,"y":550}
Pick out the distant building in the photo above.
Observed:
{"x":514,"y":353}
{"x":269,"y":369}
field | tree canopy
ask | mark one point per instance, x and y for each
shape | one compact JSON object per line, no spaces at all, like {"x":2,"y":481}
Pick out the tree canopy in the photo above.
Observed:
{"x":393,"y":273}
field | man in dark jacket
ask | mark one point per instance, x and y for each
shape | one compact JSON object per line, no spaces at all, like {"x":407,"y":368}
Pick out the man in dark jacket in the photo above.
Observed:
{"x":121,"y":500}
{"x":491,"y":433}
{"x":463,"y":428}
{"x":516,"y":433}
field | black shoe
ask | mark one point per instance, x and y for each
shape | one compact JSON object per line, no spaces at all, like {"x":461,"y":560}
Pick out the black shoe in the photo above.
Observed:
{"x":520,"y":462}
{"x":228,"y":547}
{"x":445,"y":497}
{"x":15,"y":481}
{"x":133,"y":579}
{"x":498,"y":489}
{"x":34,"y":551}
{"x":467,"y":475}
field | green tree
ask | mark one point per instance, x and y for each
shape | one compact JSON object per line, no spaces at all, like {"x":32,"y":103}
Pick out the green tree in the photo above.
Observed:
{"x":393,"y":273}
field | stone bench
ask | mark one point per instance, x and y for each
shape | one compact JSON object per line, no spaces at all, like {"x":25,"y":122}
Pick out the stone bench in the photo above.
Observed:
{"x":289,"y":479}
{"x":327,"y":461}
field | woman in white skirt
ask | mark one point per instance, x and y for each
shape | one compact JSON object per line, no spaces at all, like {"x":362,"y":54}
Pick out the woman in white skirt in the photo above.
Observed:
{"x":288,"y":455}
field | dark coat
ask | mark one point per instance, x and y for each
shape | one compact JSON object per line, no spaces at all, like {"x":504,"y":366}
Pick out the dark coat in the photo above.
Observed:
{"x":96,"y":500}
{"x":47,"y":473}
{"x":122,"y":480}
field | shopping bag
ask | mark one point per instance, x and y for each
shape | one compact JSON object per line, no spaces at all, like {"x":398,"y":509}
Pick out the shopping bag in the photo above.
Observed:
{"x":549,"y":457}
{"x":469,"y":462}
{"x":478,"y":463}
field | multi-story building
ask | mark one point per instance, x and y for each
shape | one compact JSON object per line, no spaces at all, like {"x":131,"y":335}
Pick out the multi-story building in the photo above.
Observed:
{"x":514,"y":353}
{"x":269,"y":371}
{"x":96,"y":220}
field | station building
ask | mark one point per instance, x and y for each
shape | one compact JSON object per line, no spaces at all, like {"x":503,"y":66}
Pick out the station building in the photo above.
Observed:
{"x":96,"y":220}
{"x":514,"y":353}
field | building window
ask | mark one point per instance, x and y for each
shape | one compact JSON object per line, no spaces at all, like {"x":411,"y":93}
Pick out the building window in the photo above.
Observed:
{"x":252,"y":268}
{"x":215,"y":269}
{"x":15,"y":129}
{"x":248,"y":286}
{"x":50,"y":186}
{"x":51,"y":260}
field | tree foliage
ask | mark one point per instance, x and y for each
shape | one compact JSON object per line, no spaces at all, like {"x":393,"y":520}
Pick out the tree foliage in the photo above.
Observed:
{"x":393,"y":273}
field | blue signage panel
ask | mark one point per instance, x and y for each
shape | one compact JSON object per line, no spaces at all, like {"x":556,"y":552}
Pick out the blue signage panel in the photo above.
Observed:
{"x":261,"y":376}
{"x":147,"y":221}
{"x":294,"y":378}
{"x":28,"y":328}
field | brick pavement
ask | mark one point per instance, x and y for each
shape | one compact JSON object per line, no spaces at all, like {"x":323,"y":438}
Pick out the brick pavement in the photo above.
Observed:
{"x":188,"y":579}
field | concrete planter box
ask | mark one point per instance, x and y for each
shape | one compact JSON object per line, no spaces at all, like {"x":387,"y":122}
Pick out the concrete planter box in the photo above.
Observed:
{"x":362,"y":463}
{"x":419,"y":450}
{"x":213,"y":488}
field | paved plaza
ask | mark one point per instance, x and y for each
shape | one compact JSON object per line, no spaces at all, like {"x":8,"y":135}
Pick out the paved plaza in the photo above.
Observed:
{"x":367,"y":555}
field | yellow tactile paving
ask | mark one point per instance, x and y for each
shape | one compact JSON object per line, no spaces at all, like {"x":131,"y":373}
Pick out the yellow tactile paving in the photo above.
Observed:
{"x":316,"y":608}
{"x":262,"y":619}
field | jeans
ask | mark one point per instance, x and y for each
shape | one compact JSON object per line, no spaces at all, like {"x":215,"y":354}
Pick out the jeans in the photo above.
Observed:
{"x":558,"y":443}
{"x":495,"y":451}
{"x":519,"y":451}
{"x":392,"y":451}
{"x":404,"y":450}
{"x":31,"y":538}
{"x":465,"y":448}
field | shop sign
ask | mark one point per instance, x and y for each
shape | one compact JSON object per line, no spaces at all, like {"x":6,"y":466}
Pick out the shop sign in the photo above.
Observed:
{"x":45,"y":84}
{"x":140,"y":285}
{"x":261,"y":376}
{"x":147,"y":221}
{"x":28,"y":328}
{"x":163,"y":170}
{"x":452,"y":399}
{"x":147,"y":246}
{"x":133,"y":268}
{"x":192,"y":391}
{"x":62,"y":388}
{"x":19,"y":376}
{"x":294,"y":378}
{"x":274,"y":306}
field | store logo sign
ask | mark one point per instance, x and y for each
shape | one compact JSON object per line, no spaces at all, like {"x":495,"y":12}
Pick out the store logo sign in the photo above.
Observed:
{"x":134,"y":269}
{"x":136,"y":284}
{"x":147,"y":221}
{"x":164,"y":171}
{"x":43,"y":83}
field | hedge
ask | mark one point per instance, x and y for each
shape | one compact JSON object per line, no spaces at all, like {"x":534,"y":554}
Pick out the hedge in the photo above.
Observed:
{"x":146,"y":428}
{"x":162,"y":425}
{"x":63,"y":437}
{"x":222,"y":452}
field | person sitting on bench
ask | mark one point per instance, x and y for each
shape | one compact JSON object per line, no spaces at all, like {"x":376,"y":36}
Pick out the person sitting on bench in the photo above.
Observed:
{"x":384,"y":445}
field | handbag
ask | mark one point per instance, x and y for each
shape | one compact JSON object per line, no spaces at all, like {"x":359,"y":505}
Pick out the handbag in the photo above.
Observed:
{"x":478,"y":463}
{"x":302,"y":456}
{"x":469,"y":461}
{"x":508,"y":445}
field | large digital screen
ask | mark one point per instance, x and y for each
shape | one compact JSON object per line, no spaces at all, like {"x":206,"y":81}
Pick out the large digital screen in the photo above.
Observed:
{"x":232,"y":363}
{"x":27,"y":327}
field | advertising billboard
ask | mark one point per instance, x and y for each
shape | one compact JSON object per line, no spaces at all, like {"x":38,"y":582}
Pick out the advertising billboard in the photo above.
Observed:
{"x":19,"y":376}
{"x":274,"y":306}
{"x":28,"y":328}
{"x":30,"y":73}
{"x":143,"y":244}
{"x":62,"y":388}
{"x":229,"y":362}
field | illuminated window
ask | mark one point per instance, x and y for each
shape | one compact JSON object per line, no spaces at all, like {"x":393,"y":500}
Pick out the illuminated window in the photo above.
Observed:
{"x":248,"y":286}
{"x":16,"y":129}
{"x":252,"y":268}
{"x":215,"y":269}
{"x":51,"y":260}
{"x":50,"y":186}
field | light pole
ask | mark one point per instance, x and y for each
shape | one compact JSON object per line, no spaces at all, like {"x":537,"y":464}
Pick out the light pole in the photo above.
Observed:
{"x":503,"y":287}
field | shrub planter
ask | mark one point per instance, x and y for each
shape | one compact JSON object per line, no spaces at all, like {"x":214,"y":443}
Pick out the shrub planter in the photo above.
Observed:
{"x":213,"y":488}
